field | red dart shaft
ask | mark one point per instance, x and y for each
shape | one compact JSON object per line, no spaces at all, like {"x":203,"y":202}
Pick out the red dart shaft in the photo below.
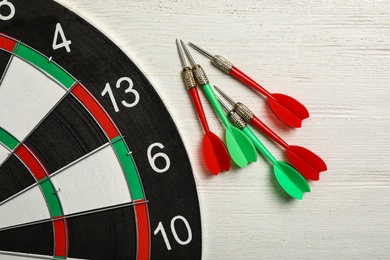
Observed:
{"x":235,"y":72}
{"x":255,"y":121}
{"x":199,"y":108}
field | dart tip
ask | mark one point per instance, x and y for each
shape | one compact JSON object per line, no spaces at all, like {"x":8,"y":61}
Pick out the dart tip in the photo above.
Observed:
{"x":203,"y":51}
{"x":228,"y":98}
{"x":181,"y":54}
{"x":187,"y":52}
{"x":223,"y":105}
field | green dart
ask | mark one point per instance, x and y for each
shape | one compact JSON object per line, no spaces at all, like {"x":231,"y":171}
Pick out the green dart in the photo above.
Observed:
{"x":288,"y":177}
{"x":240,"y":147}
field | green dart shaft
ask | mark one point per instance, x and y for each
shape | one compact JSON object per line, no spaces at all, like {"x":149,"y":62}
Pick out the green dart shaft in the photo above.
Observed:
{"x":208,"y":90}
{"x":203,"y":81}
{"x":239,"y":145}
{"x":259,"y":145}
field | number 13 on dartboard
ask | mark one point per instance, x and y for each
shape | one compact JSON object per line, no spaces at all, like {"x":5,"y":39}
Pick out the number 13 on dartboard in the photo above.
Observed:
{"x":129,"y":90}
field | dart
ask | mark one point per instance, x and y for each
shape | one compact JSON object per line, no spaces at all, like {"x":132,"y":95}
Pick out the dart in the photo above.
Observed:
{"x":239,"y":146}
{"x":287,"y":176}
{"x":305,"y":161}
{"x":215,"y":155}
{"x":286,"y":108}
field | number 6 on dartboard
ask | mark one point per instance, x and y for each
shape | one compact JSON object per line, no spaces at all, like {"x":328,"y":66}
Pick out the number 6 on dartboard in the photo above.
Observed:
{"x":152,"y":158}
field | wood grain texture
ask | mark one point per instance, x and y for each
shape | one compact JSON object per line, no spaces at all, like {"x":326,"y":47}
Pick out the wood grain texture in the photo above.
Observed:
{"x":334,"y":57}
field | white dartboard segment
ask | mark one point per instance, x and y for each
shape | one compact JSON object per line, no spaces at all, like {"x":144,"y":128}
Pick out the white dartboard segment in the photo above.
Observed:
{"x":96,"y":181}
{"x":4,"y":153}
{"x":26,"y":96}
{"x":30,"y":206}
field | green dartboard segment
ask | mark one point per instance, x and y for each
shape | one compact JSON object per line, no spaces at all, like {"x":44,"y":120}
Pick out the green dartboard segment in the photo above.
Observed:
{"x":8,"y":140}
{"x":51,"y":198}
{"x":46,"y":65}
{"x":129,"y":168}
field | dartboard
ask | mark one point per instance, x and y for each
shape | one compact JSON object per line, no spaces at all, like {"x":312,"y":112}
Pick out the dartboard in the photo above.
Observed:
{"x":91,"y":163}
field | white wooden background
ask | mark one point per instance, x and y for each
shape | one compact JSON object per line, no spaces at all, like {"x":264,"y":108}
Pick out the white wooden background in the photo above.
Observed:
{"x":334,"y":57}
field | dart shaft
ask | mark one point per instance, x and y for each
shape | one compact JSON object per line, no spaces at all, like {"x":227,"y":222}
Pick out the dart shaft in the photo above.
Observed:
{"x":235,"y":72}
{"x":259,"y":145}
{"x":215,"y":103}
{"x":248,"y":116}
{"x":199,"y":108}
{"x":256,"y":122}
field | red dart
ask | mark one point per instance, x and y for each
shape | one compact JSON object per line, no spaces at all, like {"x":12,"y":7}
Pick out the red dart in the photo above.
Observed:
{"x":215,"y":154}
{"x":305,"y":161}
{"x":286,"y":108}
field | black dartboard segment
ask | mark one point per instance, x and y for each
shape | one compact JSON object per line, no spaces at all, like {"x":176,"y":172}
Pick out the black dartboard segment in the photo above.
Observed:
{"x":103,"y":235}
{"x":66,"y":134}
{"x":33,"y":239}
{"x":83,"y":129}
{"x":4,"y":58}
{"x":14,"y":178}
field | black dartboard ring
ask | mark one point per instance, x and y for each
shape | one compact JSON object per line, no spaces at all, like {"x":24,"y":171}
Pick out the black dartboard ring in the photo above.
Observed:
{"x":107,"y":105}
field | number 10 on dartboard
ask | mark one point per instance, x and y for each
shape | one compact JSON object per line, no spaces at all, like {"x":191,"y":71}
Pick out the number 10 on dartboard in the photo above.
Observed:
{"x":174,"y":222}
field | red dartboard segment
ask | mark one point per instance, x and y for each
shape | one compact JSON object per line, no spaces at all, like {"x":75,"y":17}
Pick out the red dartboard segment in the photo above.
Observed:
{"x":143,"y":234}
{"x":7,"y":43}
{"x":60,"y":232}
{"x":31,"y":162}
{"x":96,"y":110}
